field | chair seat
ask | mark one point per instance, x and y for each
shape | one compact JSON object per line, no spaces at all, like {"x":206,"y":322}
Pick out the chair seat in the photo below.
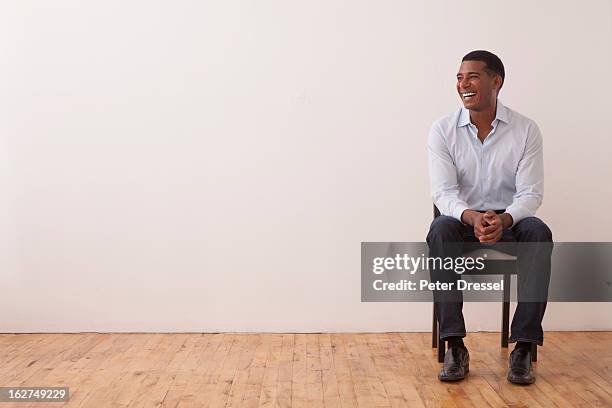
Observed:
{"x":490,"y":255}
{"x":496,"y":262}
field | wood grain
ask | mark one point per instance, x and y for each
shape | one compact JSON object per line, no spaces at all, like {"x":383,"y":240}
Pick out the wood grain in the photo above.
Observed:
{"x":299,"y":370}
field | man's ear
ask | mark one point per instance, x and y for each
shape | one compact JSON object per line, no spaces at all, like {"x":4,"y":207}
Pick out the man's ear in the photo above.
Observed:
{"x":499,"y":82}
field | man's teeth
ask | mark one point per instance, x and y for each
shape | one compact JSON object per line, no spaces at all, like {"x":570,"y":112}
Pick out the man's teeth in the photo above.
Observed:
{"x":465,"y":95}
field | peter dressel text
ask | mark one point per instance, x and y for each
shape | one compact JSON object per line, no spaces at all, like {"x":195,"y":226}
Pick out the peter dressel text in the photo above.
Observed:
{"x":423,"y":284}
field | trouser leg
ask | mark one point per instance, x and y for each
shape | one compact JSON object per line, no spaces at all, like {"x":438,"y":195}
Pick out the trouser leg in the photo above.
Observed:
{"x":444,"y":239}
{"x":534,"y":251}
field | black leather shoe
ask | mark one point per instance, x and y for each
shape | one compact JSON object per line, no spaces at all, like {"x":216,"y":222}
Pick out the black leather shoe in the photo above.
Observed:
{"x":456,"y":364}
{"x":521,"y":371}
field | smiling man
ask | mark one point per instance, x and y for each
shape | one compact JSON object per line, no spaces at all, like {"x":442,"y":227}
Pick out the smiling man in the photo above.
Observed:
{"x":487,"y":179}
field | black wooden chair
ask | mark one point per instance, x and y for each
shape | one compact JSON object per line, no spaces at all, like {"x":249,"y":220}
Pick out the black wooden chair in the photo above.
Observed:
{"x":498,"y":263}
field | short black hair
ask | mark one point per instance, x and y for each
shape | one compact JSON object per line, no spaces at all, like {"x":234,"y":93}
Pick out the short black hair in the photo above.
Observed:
{"x":492,"y":61}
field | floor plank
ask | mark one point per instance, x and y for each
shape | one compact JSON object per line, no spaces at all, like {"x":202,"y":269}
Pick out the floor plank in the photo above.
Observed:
{"x":299,"y":370}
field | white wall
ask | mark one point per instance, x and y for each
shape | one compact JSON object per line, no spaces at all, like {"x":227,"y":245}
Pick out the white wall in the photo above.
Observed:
{"x":212,"y":166}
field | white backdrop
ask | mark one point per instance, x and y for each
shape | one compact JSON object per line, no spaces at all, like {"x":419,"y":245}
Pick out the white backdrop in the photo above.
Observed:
{"x":212,"y":166}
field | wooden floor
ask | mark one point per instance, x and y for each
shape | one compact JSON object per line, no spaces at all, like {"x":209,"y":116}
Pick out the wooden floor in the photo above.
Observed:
{"x":331,"y":370}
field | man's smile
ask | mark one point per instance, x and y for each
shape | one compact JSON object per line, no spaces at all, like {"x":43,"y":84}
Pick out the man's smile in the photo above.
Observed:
{"x":467,"y":95}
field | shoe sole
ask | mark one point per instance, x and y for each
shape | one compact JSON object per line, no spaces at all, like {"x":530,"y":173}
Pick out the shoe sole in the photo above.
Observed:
{"x":455,"y":378}
{"x":521,"y":381}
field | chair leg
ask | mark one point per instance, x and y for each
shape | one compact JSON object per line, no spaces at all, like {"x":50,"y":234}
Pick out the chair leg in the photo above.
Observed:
{"x":534,"y":352}
{"x":441,"y":348}
{"x":506,"y":312}
{"x":505,"y":324}
{"x":434,"y":329}
{"x":436,"y":341}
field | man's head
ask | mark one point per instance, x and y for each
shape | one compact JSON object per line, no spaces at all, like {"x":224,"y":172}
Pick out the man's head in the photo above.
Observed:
{"x":480,"y":77}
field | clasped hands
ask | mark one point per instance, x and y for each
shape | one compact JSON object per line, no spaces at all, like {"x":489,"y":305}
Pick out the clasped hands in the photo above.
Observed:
{"x":488,"y":226}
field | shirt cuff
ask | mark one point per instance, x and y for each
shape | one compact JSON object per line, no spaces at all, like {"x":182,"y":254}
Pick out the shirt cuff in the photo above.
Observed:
{"x":459,"y":209}
{"x":517,"y":214}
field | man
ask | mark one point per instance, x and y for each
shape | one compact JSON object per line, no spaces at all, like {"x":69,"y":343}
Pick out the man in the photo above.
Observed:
{"x":487,"y":177}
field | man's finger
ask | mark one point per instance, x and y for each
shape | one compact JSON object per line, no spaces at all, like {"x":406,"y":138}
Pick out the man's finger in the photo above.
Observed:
{"x":491,"y":217}
{"x":483,"y":222}
{"x":489,"y":230}
{"x":481,"y":229}
{"x":489,"y":239}
{"x":490,"y":213}
{"x":492,"y":235}
{"x":487,"y":219}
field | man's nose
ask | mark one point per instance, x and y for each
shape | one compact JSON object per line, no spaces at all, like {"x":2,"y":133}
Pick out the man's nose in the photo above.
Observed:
{"x":464,"y":83}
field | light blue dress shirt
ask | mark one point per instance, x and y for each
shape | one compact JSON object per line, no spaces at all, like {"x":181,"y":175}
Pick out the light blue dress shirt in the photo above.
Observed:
{"x":504,"y":172}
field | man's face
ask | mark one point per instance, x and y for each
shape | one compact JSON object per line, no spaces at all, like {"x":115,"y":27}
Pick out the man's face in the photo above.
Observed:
{"x":477,"y":89}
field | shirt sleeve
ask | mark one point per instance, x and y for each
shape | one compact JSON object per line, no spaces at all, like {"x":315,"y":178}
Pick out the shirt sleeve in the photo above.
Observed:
{"x":529,"y":178}
{"x":443,"y":175}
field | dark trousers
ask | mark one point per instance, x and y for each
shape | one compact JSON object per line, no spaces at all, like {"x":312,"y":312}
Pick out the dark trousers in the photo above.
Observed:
{"x":533,"y":272}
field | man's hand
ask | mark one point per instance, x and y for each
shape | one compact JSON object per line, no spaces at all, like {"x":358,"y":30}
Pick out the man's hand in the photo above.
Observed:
{"x":491,"y":228}
{"x":488,"y":226}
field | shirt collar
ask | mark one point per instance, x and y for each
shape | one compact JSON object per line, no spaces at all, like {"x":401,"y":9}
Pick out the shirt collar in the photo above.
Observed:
{"x":500,"y":114}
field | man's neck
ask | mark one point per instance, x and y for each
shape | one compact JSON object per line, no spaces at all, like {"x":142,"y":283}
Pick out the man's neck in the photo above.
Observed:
{"x":483,"y":118}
